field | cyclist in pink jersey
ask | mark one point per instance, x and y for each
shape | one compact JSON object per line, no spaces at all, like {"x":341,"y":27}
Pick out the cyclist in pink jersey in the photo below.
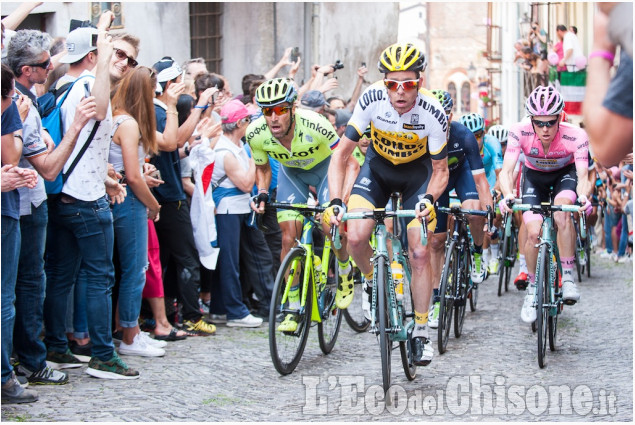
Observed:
{"x":556,"y":156}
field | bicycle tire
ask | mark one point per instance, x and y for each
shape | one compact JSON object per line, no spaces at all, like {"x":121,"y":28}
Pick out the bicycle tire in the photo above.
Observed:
{"x":553,"y":319}
{"x":407,"y":315}
{"x":354,"y":314}
{"x":578,"y":247}
{"x":331,"y":316}
{"x":503,"y":265}
{"x":285,"y":360}
{"x":542,"y":286}
{"x":514,"y":253}
{"x":385,"y":344}
{"x":460,"y":301}
{"x":447,"y":290}
{"x":472,"y":288}
{"x":588,"y":254}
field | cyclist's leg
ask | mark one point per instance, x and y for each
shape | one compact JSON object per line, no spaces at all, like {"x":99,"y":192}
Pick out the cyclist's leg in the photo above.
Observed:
{"x":437,"y":255}
{"x":566,"y":195}
{"x":467,"y":193}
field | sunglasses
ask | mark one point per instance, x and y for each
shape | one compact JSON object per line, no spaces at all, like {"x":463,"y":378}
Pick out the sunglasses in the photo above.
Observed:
{"x":393,"y":85}
{"x":121,"y":55}
{"x":541,"y":124}
{"x":43,"y":65}
{"x":479,"y":134}
{"x":279,"y":110}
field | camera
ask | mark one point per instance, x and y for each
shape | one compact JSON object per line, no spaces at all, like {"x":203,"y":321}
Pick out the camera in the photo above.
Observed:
{"x":76,"y":23}
{"x":338,"y":65}
{"x":534,"y":28}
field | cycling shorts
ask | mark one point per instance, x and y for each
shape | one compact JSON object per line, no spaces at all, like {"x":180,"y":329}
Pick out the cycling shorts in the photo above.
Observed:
{"x":536,"y":186}
{"x":463,"y":182}
{"x":293,"y":187}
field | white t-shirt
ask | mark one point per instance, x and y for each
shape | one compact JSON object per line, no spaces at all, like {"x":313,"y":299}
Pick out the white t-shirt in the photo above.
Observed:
{"x":235,"y":201}
{"x":570,"y":41}
{"x":86,"y":182}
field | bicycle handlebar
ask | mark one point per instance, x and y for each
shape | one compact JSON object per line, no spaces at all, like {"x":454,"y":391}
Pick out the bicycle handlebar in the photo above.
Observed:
{"x":546,"y":207}
{"x":301,"y":208}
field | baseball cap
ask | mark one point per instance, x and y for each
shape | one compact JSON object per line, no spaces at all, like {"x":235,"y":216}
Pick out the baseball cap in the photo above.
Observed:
{"x":314,"y":99}
{"x":167,"y":69}
{"x":233,"y":111}
{"x":79,"y":43}
{"x":342,"y":116}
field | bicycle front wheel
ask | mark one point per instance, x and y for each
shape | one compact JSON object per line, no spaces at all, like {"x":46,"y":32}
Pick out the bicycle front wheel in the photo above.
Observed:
{"x":460,"y":300}
{"x":553,"y":318}
{"x":542,"y":315}
{"x":587,"y":248}
{"x":354,"y":315}
{"x":287,"y":346}
{"x":406,"y":307}
{"x":504,"y":267}
{"x":329,"y":327}
{"x":385,"y":344}
{"x":447,"y":290}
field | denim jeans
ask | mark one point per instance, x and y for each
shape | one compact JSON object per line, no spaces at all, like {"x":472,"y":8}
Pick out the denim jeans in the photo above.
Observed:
{"x":80,"y":232}
{"x":131,"y":236}
{"x":76,"y":321}
{"x":227,"y":296}
{"x":8,"y":276}
{"x":623,"y":237}
{"x":610,"y":221}
{"x":29,"y":290}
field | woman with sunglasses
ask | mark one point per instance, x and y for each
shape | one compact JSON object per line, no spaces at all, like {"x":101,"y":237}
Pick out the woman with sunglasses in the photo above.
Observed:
{"x":556,"y":155}
{"x":134,"y":136}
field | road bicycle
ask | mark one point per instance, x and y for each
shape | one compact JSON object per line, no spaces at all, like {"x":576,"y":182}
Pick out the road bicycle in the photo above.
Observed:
{"x":582,"y":246}
{"x":508,"y":252}
{"x":354,"y":315}
{"x":548,"y":296}
{"x":392,"y":313}
{"x":317,"y":280}
{"x":456,"y":286}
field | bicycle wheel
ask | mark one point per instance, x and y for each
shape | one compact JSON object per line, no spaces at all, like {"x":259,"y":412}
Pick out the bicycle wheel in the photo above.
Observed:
{"x":405,"y":347}
{"x":512,"y":252}
{"x":287,"y":347}
{"x":460,"y":300}
{"x":542,"y":286}
{"x":503,"y":265}
{"x":329,"y":327}
{"x":578,"y":267}
{"x":588,"y":254}
{"x":553,"y":318}
{"x":472,"y":287}
{"x":354,"y":314}
{"x":385,"y":344}
{"x":447,"y":291}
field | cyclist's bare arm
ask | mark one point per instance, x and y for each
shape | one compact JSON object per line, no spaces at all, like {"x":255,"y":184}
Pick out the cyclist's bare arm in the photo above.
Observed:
{"x":482,"y":188}
{"x":584,"y":185}
{"x":439,"y":179}
{"x":506,"y":176}
{"x":338,"y":169}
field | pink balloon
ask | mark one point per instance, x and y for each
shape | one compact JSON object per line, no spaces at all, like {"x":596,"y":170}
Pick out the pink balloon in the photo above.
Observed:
{"x":580,"y":62}
{"x":552,"y":57}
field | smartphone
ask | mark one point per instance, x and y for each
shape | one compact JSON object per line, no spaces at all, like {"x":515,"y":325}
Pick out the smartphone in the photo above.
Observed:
{"x":123,"y":180}
{"x":86,"y":89}
{"x":93,"y":40}
{"x":156,"y":174}
{"x":215,"y":95}
{"x":364,"y":64}
{"x":294,"y":54}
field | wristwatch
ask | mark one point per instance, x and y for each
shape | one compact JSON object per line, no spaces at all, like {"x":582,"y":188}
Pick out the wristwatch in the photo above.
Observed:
{"x":186,"y":149}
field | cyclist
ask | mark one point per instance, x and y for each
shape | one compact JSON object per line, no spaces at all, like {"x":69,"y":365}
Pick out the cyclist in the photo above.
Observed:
{"x":467,"y":177}
{"x":556,"y":155}
{"x":408,"y":155}
{"x":302,"y":141}
{"x":492,"y":156}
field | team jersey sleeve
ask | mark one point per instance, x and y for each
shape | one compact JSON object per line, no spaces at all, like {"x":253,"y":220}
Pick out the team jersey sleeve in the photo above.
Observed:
{"x":329,"y":135}
{"x":513,"y":144}
{"x":255,"y":135}
{"x":581,"y":154}
{"x":470,"y":147}
{"x":362,"y":112}
{"x":497,"y":153}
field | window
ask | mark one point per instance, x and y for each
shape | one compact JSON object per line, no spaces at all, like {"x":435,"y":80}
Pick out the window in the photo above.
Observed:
{"x":205,"y":33}
{"x":465,"y":98}
{"x":452,"y":91}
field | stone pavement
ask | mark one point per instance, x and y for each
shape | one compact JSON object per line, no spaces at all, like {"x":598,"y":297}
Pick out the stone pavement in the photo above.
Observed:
{"x":489,"y":373}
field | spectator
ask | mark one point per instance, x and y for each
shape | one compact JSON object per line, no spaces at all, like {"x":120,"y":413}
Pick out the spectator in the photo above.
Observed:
{"x":315,"y":101}
{"x":608,"y":102}
{"x":341,"y":120}
{"x":126,"y":49}
{"x":573,"y":29}
{"x":232,"y":180}
{"x":12,"y":391}
{"x":570,"y":46}
{"x":194,"y":67}
{"x":133,"y":136}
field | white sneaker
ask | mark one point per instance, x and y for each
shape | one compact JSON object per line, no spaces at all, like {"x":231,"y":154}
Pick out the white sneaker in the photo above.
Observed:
{"x":153,"y":342}
{"x":433,"y":316}
{"x":606,"y":254}
{"x":140,"y":348}
{"x":478,"y":268}
{"x":248,"y":321}
{"x":623,"y":259}
{"x":570,"y":292}
{"x":367,"y":293}
{"x":528,"y":312}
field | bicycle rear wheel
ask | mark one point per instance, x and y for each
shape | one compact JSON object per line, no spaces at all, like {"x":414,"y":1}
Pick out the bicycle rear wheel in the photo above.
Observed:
{"x":354,"y":315}
{"x":447,"y":291}
{"x":385,"y":343}
{"x":542,"y":315}
{"x":405,"y":347}
{"x":460,"y":300}
{"x":287,"y":347}
{"x":329,"y":327}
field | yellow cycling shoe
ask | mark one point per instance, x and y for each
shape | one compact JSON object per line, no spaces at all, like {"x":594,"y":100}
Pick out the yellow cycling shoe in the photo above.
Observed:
{"x":345,"y":290}
{"x":289,"y":324}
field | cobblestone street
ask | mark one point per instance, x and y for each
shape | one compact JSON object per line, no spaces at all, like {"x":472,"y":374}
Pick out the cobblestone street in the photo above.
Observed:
{"x":230,"y":377}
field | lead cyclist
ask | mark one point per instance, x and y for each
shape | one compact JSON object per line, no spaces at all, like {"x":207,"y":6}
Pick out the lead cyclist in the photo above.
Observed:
{"x":408,"y":154}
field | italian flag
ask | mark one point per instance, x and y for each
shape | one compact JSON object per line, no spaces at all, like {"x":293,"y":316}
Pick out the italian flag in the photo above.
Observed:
{"x":572,"y":87}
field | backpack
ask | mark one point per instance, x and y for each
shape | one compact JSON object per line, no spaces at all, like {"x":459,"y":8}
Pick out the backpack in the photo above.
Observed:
{"x":49,"y":107}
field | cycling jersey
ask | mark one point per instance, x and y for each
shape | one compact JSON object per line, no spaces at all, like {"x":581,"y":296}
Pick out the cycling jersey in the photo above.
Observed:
{"x":570,"y":145}
{"x":313,"y":140}
{"x":359,"y":156}
{"x":400,"y":139}
{"x":492,"y":154}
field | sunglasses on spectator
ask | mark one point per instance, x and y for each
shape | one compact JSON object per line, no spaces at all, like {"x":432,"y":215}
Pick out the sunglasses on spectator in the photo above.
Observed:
{"x":407,"y":85}
{"x":43,"y":65}
{"x":121,"y":55}
{"x":279,"y":110}
{"x":541,"y":124}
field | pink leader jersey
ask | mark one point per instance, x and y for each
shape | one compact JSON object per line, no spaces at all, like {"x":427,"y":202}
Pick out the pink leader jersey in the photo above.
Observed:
{"x":570,"y":145}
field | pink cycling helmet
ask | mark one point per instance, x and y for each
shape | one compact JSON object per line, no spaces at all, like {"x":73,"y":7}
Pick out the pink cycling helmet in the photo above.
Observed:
{"x":544,"y":101}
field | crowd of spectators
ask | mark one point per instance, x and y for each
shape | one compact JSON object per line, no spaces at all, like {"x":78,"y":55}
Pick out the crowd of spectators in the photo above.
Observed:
{"x":113,"y":262}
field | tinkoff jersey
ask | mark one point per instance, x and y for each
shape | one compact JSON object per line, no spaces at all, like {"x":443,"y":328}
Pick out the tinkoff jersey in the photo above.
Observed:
{"x":313,"y":140}
{"x":399,"y":139}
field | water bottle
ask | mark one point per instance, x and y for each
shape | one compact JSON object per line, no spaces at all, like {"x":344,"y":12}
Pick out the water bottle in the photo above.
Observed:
{"x":317,"y":267}
{"x":397,"y":277}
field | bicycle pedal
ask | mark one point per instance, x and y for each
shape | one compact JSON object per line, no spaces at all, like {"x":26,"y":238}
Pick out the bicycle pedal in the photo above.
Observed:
{"x":569,"y":302}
